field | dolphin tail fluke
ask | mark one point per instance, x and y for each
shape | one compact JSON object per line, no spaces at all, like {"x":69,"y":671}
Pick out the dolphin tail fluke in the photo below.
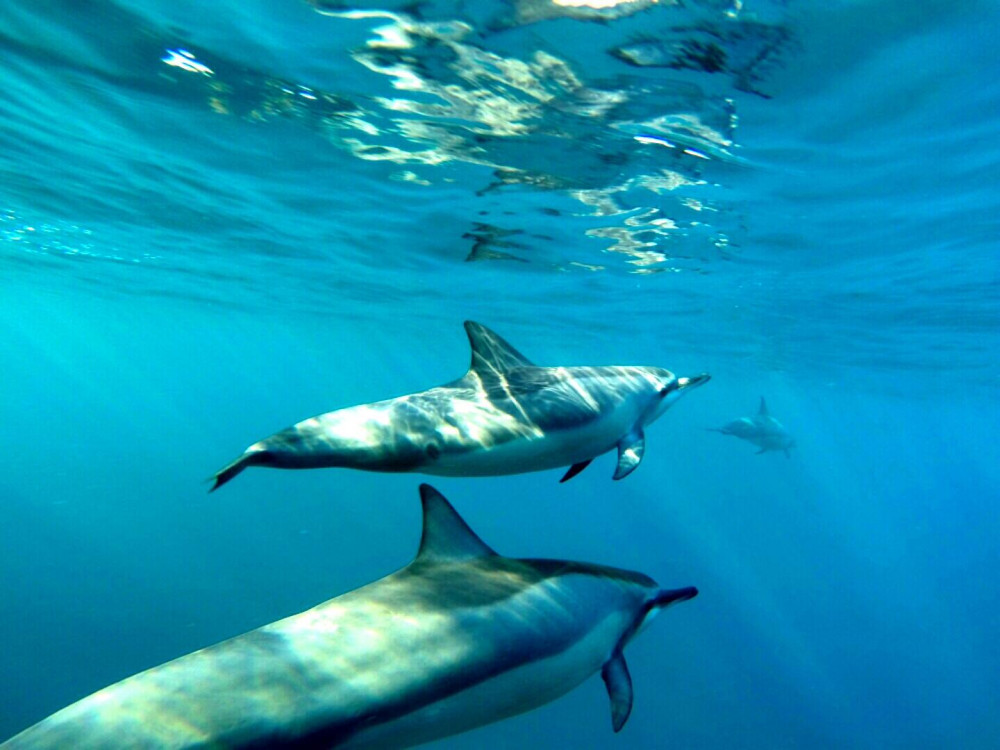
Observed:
{"x":224,"y":475}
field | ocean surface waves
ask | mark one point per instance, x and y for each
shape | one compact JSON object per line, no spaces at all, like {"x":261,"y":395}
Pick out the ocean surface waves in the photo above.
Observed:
{"x":341,"y":157}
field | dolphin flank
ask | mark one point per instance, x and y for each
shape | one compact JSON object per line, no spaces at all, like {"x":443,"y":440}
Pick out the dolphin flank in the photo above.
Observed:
{"x":763,"y":430}
{"x":459,"y":638}
{"x":504,"y":416}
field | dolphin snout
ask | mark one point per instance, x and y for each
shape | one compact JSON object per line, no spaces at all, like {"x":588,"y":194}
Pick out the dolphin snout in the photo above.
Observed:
{"x":694,"y":381}
{"x":666,"y":597}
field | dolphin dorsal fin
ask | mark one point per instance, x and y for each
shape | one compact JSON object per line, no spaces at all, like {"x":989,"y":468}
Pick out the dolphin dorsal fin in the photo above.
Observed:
{"x":490,"y":353}
{"x":762,"y":411}
{"x":446,"y":536}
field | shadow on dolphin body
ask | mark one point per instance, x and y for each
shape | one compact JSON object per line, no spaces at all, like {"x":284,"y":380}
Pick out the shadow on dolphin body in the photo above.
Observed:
{"x":504,"y":416}
{"x":459,"y":638}
{"x":762,"y":430}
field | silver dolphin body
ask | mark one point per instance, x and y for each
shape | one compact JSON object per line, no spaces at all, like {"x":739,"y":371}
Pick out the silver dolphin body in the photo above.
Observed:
{"x":504,"y":416}
{"x":762,"y":430}
{"x":459,"y":638}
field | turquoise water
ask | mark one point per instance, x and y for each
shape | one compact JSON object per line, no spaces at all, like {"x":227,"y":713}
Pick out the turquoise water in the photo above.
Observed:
{"x":216,"y":221}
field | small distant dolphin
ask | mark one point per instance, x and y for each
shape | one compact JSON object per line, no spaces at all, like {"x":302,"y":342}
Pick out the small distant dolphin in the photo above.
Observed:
{"x":763,"y":430}
{"x":459,"y":638}
{"x":504,"y":416}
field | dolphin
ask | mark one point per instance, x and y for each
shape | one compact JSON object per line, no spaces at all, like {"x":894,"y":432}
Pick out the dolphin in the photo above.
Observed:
{"x":763,"y":430}
{"x":504,"y":416}
{"x":459,"y":638}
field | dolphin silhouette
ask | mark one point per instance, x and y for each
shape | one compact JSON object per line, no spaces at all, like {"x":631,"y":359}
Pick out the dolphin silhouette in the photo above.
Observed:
{"x":504,"y":416}
{"x":763,"y":430}
{"x":459,"y":638}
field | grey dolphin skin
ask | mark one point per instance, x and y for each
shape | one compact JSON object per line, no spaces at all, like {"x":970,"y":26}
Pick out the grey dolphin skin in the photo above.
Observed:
{"x":459,"y":638}
{"x":504,"y":416}
{"x":763,"y":430}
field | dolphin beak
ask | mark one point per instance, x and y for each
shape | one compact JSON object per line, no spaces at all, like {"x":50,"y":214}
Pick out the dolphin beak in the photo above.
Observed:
{"x":694,"y":381}
{"x":666,"y":597}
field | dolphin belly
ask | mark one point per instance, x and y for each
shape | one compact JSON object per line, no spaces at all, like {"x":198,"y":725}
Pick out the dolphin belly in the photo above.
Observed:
{"x":508,"y":694}
{"x":547,"y":448}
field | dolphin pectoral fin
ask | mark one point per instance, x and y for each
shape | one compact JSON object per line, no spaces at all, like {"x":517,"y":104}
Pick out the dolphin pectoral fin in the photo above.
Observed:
{"x":619,"y":683}
{"x":575,"y":469}
{"x":762,"y":450}
{"x":630,"y":450}
{"x":788,"y":453}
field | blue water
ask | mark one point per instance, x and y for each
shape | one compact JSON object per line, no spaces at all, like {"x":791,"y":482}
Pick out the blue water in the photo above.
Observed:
{"x":220,"y":218}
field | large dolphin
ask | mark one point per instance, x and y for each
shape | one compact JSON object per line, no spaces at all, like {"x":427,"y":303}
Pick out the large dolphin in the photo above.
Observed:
{"x":504,"y":416}
{"x":459,"y":638}
{"x":763,"y":430}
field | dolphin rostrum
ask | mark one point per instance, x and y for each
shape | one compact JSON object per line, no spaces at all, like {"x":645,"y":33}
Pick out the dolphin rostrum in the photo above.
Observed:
{"x":459,"y":638}
{"x":763,"y":430}
{"x":504,"y":416}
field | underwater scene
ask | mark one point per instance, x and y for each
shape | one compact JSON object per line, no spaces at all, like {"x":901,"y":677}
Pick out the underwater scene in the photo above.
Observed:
{"x":488,"y":374}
